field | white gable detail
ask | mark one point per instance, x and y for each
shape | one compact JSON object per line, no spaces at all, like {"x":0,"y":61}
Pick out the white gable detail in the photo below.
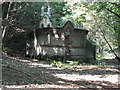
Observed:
{"x":45,"y":16}
{"x":45,"y":22}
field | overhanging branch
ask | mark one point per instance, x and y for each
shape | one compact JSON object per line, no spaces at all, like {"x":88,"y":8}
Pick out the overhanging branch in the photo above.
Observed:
{"x":113,"y":12}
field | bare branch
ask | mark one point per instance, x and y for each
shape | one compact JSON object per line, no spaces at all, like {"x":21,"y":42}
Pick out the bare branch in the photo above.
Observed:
{"x":113,"y":12}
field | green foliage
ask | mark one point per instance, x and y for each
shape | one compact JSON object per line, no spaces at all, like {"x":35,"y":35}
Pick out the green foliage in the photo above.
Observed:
{"x":94,"y":17}
{"x":60,"y":61}
{"x":72,"y":62}
{"x":7,"y":50}
{"x":99,"y":56}
{"x":24,"y":15}
{"x":60,"y":11}
{"x":62,"y":64}
{"x":56,"y":63}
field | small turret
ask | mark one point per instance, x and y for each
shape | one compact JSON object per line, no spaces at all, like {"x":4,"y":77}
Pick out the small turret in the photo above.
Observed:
{"x":46,"y":10}
{"x":45,"y":16}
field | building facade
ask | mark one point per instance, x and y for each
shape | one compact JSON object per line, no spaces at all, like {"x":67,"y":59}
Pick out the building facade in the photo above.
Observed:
{"x":66,"y":41}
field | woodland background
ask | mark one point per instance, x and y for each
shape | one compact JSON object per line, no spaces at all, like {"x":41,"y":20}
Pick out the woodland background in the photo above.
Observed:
{"x":102,"y":19}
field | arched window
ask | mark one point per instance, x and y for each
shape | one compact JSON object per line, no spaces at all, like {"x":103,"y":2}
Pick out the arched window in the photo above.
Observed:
{"x":46,"y":9}
{"x":67,"y":34}
{"x":48,"y":38}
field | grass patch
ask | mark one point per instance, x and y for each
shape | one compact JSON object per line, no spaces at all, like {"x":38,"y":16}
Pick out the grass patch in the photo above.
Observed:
{"x":8,"y":51}
{"x":63,"y":63}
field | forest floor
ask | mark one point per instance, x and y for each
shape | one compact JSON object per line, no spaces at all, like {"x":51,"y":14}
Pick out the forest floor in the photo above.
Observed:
{"x":31,"y":73}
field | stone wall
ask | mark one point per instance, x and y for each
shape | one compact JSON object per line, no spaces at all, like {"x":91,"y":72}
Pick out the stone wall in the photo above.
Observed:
{"x":90,"y":51}
{"x":57,"y":45}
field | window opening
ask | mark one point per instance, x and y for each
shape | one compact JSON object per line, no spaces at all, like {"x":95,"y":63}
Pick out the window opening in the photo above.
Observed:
{"x":67,"y":36}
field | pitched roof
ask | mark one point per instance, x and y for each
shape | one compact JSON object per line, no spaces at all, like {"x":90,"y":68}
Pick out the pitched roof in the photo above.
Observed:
{"x":38,"y":30}
{"x":48,"y":16}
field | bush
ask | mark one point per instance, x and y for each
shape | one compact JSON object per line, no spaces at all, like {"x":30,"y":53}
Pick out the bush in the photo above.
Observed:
{"x":7,"y":50}
{"x":64,"y":63}
{"x":100,"y":56}
{"x":56,"y":63}
{"x":59,"y":61}
{"x":73,"y":62}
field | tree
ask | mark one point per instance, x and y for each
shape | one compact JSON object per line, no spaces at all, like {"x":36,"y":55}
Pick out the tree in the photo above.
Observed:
{"x":18,"y":17}
{"x":25,"y":16}
{"x":107,"y":17}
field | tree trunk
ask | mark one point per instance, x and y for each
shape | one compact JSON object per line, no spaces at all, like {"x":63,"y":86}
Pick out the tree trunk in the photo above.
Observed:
{"x":5,"y":27}
{"x":110,"y":46}
{"x":7,"y":18}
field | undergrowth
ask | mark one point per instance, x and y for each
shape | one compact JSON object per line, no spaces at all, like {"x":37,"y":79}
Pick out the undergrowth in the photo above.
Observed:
{"x":60,"y":61}
{"x":63,"y":63}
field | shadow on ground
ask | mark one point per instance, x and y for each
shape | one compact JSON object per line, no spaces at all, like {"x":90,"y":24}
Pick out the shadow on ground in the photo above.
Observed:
{"x":39,"y":72}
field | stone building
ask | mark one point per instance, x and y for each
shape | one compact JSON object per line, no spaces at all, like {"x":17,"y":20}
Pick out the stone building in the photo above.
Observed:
{"x":66,"y":41}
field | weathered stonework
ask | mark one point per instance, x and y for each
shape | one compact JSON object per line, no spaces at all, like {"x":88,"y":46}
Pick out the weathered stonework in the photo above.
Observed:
{"x":39,"y":43}
{"x":66,"y":41}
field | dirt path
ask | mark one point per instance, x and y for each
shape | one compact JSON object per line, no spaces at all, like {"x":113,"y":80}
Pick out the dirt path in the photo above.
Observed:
{"x":42,"y":75}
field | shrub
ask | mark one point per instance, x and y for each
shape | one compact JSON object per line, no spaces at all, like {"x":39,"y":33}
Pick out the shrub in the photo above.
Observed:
{"x":56,"y":63}
{"x":63,"y":63}
{"x":73,"y":62}
{"x":100,"y":56}
{"x":7,"y":50}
